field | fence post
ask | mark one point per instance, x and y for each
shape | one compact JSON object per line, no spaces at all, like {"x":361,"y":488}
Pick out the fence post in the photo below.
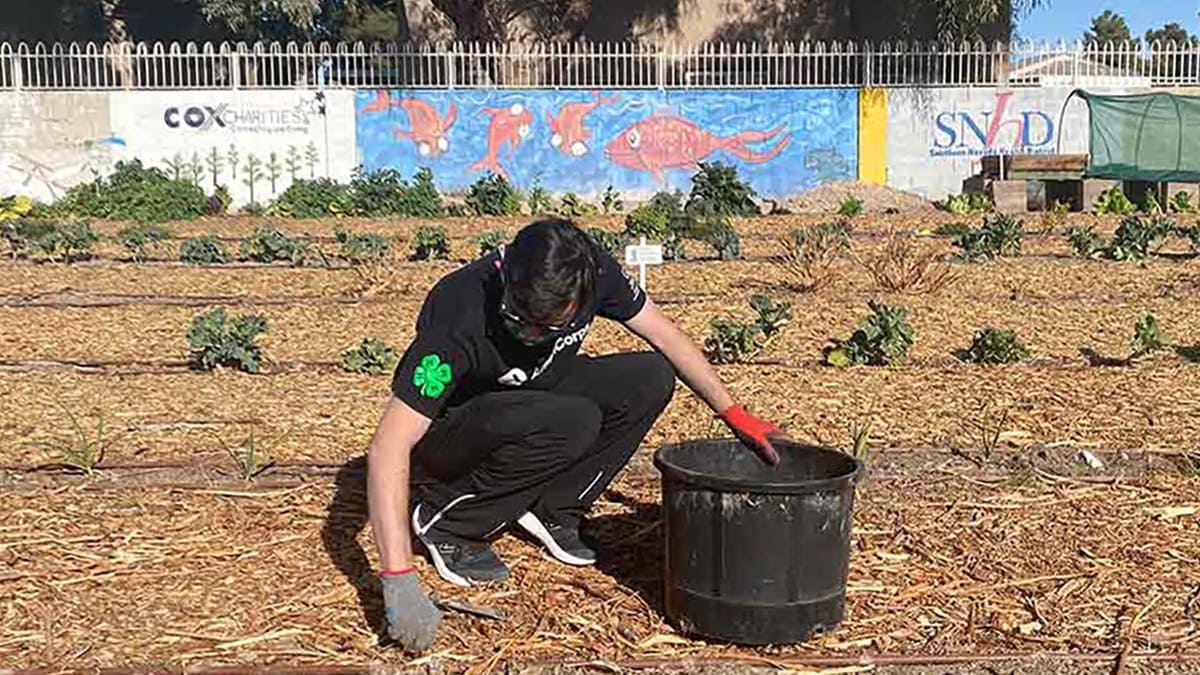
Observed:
{"x":450,"y":59}
{"x":235,"y":69}
{"x":16,"y":70}
{"x":660,"y":66}
{"x":868,"y":72}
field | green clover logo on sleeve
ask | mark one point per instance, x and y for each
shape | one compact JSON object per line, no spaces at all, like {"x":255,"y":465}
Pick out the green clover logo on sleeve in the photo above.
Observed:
{"x":432,"y":376}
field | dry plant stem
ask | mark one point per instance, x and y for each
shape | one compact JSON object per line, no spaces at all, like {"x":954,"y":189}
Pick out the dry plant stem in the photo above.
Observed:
{"x":906,"y":265}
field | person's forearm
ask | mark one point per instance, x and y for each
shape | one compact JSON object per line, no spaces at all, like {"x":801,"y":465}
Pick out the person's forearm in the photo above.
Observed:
{"x":387,"y":497}
{"x":694,"y":369}
{"x":399,"y":429}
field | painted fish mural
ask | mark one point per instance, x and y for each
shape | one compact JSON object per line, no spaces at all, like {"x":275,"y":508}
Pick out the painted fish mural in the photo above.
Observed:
{"x":508,"y":126}
{"x":667,"y":141}
{"x":639,"y":141}
{"x":427,"y":128}
{"x":567,"y":131}
{"x":827,"y":164}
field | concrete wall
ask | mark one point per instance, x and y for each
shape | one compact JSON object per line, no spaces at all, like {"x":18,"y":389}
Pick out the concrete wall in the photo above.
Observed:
{"x":936,"y":138}
{"x":639,"y":141}
{"x":50,"y":141}
{"x":782,"y":141}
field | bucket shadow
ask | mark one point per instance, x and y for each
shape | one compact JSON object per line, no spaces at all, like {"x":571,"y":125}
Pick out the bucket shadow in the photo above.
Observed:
{"x":631,"y":548}
{"x":345,"y":520}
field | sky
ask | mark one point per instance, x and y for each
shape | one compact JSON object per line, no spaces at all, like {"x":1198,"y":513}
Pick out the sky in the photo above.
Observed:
{"x":1068,"y":19}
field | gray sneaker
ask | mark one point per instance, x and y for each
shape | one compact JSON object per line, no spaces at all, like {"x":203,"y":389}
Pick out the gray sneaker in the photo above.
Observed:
{"x":561,"y":541}
{"x":462,"y":562}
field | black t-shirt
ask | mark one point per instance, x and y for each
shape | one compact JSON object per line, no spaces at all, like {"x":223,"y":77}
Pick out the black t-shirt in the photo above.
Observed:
{"x":462,"y":348}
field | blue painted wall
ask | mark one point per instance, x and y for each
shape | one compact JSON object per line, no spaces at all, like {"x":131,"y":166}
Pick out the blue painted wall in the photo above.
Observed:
{"x":783,"y":141}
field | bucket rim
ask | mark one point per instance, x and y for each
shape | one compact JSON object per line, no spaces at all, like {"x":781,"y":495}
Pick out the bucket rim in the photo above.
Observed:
{"x":730,"y":484}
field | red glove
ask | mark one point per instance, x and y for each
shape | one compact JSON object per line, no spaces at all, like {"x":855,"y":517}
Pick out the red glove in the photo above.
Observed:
{"x":752,"y":432}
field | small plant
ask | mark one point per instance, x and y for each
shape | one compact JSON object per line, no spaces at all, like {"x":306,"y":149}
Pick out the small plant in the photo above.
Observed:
{"x":248,"y":460}
{"x":429,"y":243}
{"x":203,"y":250}
{"x":968,"y":203}
{"x":737,"y":342}
{"x":1055,"y":217}
{"x":1147,"y":337}
{"x":82,"y":451}
{"x":1114,"y":201}
{"x":492,"y":195}
{"x":907,"y":265}
{"x":718,"y":190}
{"x":660,"y":220}
{"x":268,"y":244}
{"x":990,"y":427}
{"x":860,"y":435}
{"x":423,"y":199}
{"x":489,"y":241}
{"x":1084,"y":241}
{"x":570,"y":206}
{"x":1182,"y":203}
{"x":313,"y":199}
{"x":215,"y":340}
{"x":993,"y":346}
{"x":371,"y":357}
{"x":139,"y":240}
{"x":611,"y":202}
{"x":999,"y":236}
{"x":850,"y":207}
{"x":218,"y":204}
{"x":883,"y":338}
{"x":952,"y":230}
{"x":1138,"y":237}
{"x":539,"y":199}
{"x":718,"y":233}
{"x":15,"y":206}
{"x":612,"y":242}
{"x":47,"y":240}
{"x":1150,"y":203}
{"x":357,"y":249}
{"x":810,"y":253}
{"x":133,"y":192}
{"x":384,"y":193}
{"x":772,"y":315}
{"x":732,"y":341}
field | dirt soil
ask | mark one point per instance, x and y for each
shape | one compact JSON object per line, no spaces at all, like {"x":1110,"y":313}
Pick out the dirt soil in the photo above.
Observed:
{"x":165,"y":557}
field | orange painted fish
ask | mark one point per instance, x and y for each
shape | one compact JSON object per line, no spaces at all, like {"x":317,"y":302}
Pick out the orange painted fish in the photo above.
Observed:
{"x":570,"y":136}
{"x":506,"y":128}
{"x":426,"y":127}
{"x":667,"y":141}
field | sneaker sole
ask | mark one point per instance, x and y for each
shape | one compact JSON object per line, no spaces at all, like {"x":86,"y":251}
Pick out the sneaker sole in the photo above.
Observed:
{"x":439,"y":564}
{"x":533,"y":526}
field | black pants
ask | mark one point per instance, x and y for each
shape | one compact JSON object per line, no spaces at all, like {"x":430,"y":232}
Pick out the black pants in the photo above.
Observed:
{"x":485,"y":463}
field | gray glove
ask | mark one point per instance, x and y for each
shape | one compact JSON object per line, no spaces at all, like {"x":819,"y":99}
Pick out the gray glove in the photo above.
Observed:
{"x":412,"y":618}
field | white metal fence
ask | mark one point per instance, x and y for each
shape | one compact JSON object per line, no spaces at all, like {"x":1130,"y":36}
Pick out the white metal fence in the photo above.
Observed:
{"x":590,"y":65}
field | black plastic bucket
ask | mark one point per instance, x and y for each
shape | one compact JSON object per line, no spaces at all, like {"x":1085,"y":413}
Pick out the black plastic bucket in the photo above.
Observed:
{"x":756,"y":554}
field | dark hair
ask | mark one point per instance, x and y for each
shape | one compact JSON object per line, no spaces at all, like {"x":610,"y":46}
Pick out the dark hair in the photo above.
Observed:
{"x":548,"y":265}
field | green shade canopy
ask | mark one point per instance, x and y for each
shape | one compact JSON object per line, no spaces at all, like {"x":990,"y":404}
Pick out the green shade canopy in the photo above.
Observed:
{"x":1143,"y":137}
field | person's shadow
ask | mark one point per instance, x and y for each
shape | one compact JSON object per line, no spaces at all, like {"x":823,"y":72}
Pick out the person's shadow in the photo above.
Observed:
{"x":631,"y":547}
{"x":347,"y":516}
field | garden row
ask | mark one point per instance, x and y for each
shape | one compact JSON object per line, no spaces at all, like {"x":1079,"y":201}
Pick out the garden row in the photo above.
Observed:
{"x":148,"y":195}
